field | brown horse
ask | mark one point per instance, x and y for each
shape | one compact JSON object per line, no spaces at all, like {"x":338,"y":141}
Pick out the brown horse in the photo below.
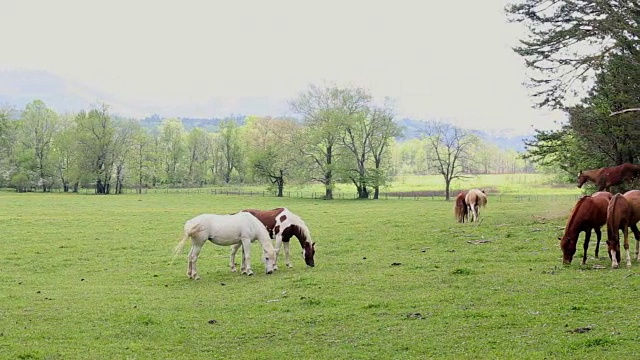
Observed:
{"x":589,"y":213}
{"x":460,"y":209}
{"x":475,"y":199}
{"x":623,"y":213}
{"x":282,"y":224}
{"x":605,"y":178}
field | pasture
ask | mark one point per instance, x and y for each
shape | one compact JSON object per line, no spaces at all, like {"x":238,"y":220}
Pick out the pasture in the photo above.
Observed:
{"x":86,"y":276}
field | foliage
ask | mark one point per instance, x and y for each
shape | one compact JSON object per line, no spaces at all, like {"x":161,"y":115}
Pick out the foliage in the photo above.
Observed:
{"x":569,"y":41}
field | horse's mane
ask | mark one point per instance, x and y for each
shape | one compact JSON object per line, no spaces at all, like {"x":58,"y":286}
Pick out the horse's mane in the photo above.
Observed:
{"x":575,"y":210}
{"x":296,"y":220}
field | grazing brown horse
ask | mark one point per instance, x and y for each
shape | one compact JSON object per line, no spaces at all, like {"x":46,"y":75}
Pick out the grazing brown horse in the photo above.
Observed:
{"x":623,"y":213}
{"x":283,"y":225}
{"x":475,"y":199}
{"x":606,"y":177}
{"x":589,"y":213}
{"x":460,"y":209}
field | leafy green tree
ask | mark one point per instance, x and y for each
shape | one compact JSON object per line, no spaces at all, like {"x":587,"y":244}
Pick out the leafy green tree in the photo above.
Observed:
{"x":173,"y":150}
{"x":272,"y":149}
{"x":38,"y":126}
{"x":142,"y":158}
{"x":95,"y":133}
{"x":325,"y":112}
{"x":196,"y":148}
{"x":569,"y":41}
{"x":65,"y":153}
{"x":229,"y":143}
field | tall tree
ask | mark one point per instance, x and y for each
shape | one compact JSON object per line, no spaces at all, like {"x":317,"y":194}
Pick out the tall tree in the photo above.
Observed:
{"x":173,"y":149}
{"x":196,"y":163}
{"x":229,"y":142}
{"x":571,"y":40}
{"x":384,"y":131}
{"x":271,"y":149}
{"x":450,"y":147}
{"x":325,"y":111}
{"x":142,"y":158}
{"x":38,"y":126}
{"x":95,"y":136}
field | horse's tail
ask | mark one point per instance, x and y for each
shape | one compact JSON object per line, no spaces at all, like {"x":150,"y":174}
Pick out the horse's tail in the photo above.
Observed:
{"x":460,"y":208}
{"x":613,"y":220}
{"x":190,"y":228}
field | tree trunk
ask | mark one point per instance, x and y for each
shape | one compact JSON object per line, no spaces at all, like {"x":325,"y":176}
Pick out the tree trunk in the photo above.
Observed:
{"x":447,"y":186}
{"x":376,"y":192}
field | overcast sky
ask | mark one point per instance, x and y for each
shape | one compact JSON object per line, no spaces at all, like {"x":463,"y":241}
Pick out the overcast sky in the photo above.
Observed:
{"x":440,"y":60}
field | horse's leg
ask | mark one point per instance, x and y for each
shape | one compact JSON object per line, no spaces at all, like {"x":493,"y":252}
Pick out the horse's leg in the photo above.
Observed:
{"x":277,"y":250}
{"x":232,"y":256}
{"x":192,"y":271}
{"x":287,"y":257}
{"x":598,"y":236}
{"x":587,"y":237}
{"x":246,"y":253}
{"x":625,"y":231}
{"x":636,"y":234}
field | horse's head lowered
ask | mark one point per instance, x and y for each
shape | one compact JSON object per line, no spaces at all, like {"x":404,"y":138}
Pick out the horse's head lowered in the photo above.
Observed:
{"x":582,"y":178}
{"x":568,"y":246}
{"x":308,"y":250}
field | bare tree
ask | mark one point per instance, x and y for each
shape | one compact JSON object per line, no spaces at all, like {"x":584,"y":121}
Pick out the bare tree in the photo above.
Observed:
{"x":450,"y":147}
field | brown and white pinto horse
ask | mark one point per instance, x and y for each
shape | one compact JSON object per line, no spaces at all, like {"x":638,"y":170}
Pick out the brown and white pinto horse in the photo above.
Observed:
{"x":475,"y":199}
{"x":460,"y":209}
{"x":589,"y":213}
{"x":623,"y":213}
{"x":283,"y":224}
{"x":606,"y":177}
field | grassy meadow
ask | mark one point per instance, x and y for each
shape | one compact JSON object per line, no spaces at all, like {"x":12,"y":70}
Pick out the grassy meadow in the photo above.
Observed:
{"x":93,"y":277}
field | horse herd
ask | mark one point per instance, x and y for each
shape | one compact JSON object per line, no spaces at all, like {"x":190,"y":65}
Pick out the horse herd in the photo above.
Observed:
{"x":243,"y":228}
{"x":619,"y":212}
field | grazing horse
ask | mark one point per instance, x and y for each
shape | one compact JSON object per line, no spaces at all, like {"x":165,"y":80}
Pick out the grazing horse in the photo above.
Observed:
{"x":623,"y":213}
{"x":589,"y":213}
{"x":283,"y":224}
{"x":460,"y":209}
{"x":605,"y":178}
{"x":475,"y":199}
{"x":234,"y":229}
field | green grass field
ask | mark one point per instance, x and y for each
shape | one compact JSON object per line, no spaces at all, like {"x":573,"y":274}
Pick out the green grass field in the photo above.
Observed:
{"x":92,"y":277}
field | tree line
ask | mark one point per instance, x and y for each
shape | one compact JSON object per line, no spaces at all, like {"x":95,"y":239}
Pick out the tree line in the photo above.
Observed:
{"x":590,"y":48}
{"x":342,"y":135}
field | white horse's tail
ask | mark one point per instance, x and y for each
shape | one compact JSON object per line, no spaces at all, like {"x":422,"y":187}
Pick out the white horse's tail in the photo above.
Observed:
{"x":190,"y":228}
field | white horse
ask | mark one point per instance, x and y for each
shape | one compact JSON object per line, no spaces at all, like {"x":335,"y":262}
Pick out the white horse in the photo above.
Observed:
{"x":241,"y":228}
{"x":475,"y":199}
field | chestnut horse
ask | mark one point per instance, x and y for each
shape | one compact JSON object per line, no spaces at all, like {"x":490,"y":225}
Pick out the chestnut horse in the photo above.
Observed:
{"x":606,"y":177}
{"x":460,"y":209}
{"x":475,"y":199}
{"x":283,"y":224}
{"x":623,"y":213}
{"x":589,"y":213}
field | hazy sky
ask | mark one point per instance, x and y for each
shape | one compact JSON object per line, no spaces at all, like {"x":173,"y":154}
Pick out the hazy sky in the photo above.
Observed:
{"x":440,"y":60}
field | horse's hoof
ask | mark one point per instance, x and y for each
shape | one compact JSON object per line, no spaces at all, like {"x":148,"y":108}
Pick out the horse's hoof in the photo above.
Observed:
{"x":249,"y":273}
{"x":234,"y":270}
{"x":289,"y":266}
{"x":270,"y":272}
{"x":197,"y":277}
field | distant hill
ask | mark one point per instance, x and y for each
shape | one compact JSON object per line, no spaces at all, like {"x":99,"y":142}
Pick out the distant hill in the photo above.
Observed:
{"x":20,"y":87}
